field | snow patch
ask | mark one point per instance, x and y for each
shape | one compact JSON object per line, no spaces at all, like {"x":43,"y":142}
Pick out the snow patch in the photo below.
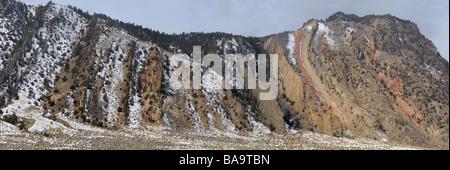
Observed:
{"x":257,"y":127}
{"x":308,"y":28}
{"x":6,"y":127}
{"x":289,"y":130}
{"x":290,"y":46}
{"x":327,"y":33}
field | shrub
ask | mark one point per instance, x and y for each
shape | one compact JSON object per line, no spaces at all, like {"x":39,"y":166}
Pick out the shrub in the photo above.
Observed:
{"x":12,"y":119}
{"x":78,"y":49}
{"x":2,"y":102}
{"x":67,"y":67}
{"x":46,"y":82}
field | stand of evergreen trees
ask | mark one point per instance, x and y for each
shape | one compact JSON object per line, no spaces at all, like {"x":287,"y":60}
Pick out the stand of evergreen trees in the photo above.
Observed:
{"x":183,"y":41}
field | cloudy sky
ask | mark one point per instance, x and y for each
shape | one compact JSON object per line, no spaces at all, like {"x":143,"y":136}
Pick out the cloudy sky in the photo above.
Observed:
{"x":263,"y":17}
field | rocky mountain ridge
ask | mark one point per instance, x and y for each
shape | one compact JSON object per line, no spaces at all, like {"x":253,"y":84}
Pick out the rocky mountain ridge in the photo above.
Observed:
{"x":374,"y":77}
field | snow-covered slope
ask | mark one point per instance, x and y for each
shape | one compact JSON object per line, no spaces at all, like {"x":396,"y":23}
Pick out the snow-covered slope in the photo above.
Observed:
{"x":89,"y":70}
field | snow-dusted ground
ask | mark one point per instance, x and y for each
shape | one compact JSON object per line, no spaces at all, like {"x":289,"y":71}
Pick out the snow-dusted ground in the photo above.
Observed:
{"x":135,"y":110}
{"x":258,"y":127}
{"x":290,"y":46}
{"x":84,"y":136}
{"x":436,"y":73}
{"x":60,"y":39}
{"x":10,"y":33}
{"x":327,"y":33}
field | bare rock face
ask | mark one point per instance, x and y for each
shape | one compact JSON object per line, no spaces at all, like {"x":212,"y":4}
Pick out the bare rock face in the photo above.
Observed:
{"x":374,"y":75}
{"x":348,"y":76}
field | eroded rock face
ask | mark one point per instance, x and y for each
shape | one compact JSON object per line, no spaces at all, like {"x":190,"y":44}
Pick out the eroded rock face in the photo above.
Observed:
{"x":365,"y":70}
{"x":348,"y":76}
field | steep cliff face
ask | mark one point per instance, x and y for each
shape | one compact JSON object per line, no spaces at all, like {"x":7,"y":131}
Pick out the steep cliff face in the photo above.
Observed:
{"x":373,"y":77}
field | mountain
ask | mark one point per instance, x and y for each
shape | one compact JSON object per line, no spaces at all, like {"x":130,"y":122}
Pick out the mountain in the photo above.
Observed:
{"x":348,"y":77}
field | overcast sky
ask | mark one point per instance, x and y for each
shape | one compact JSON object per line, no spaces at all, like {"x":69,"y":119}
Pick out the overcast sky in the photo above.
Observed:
{"x":264,"y":17}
